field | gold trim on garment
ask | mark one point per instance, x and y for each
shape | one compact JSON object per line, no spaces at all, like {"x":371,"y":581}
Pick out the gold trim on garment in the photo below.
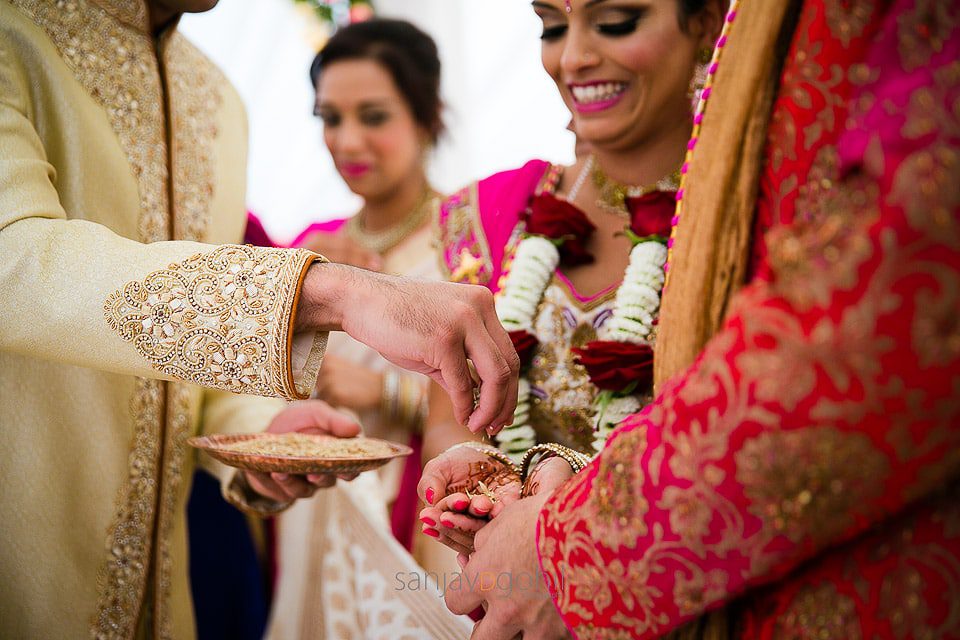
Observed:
{"x":117,"y":67}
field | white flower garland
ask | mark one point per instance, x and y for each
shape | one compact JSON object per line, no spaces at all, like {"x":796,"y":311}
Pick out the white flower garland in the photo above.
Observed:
{"x":533,"y":265}
{"x":636,"y":305}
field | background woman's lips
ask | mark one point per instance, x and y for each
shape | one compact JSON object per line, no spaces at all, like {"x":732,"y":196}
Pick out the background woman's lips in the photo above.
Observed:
{"x":354,"y":170}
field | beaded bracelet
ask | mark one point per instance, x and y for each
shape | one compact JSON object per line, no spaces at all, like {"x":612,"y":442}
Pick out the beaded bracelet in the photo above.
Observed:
{"x":575,"y":459}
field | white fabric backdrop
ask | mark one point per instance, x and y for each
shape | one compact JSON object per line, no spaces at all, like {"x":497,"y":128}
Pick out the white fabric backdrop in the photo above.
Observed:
{"x":502,"y":109}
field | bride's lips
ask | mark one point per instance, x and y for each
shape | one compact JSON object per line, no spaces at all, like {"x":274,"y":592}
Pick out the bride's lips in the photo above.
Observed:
{"x":354,"y":169}
{"x":596,"y":96}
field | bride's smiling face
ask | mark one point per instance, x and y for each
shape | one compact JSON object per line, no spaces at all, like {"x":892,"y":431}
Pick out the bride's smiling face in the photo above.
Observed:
{"x":623,"y":67}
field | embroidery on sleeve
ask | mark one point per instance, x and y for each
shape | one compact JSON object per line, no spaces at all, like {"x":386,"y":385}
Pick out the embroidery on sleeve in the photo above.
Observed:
{"x":218,"y":319}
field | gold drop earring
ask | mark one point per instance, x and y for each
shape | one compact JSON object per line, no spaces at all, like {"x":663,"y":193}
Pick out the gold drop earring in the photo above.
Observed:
{"x":699,"y":78}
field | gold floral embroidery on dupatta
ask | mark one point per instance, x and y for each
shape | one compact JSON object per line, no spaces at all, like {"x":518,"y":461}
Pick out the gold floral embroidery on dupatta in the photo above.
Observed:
{"x":822,"y":251}
{"x":820,"y":612}
{"x":807,"y":484}
{"x":925,"y":184}
{"x":847,"y":20}
{"x":918,"y":564}
{"x":923,"y":30}
{"x":620,"y":508}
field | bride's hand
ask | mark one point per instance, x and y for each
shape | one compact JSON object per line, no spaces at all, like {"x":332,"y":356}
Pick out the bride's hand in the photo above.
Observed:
{"x":457,"y":505}
{"x":547,"y":475}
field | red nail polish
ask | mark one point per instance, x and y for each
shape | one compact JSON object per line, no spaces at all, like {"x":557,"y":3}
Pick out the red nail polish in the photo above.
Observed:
{"x":481,"y":512}
{"x":428,"y":521}
{"x":433,"y":533}
{"x":461,"y":505}
{"x":447,"y":524}
{"x":429,"y":496}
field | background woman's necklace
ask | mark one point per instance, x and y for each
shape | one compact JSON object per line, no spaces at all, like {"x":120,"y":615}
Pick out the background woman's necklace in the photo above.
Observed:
{"x":382,"y":241}
{"x":613,"y":194}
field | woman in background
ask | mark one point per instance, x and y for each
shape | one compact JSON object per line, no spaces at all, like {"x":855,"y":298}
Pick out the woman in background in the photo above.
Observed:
{"x":377,"y":92}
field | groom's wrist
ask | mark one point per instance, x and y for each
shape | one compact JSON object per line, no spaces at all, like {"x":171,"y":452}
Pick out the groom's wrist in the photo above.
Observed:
{"x":324,"y":297}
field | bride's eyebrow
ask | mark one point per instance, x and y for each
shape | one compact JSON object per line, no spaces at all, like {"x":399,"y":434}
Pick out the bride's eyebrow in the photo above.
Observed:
{"x":544,"y":6}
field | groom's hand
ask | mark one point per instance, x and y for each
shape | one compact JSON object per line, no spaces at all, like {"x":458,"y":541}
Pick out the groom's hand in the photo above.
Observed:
{"x":429,"y":327}
{"x":307,"y":416}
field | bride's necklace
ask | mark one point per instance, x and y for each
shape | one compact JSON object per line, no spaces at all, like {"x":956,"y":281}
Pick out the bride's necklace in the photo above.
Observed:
{"x":613,"y":195}
{"x":632,"y":317}
{"x":382,"y":241}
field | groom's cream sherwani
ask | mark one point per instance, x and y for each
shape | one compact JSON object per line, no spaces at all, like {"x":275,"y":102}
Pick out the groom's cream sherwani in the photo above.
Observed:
{"x":121,"y":170}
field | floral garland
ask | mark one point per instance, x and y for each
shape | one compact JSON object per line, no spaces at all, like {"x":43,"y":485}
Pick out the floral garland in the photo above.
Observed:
{"x":620,"y":362}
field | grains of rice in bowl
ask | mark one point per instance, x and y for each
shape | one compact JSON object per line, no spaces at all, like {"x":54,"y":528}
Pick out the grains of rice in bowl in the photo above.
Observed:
{"x":301,"y":445}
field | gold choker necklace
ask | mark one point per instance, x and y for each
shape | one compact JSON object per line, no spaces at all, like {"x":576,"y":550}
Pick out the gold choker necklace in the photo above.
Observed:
{"x":382,"y":241}
{"x":613,"y":194}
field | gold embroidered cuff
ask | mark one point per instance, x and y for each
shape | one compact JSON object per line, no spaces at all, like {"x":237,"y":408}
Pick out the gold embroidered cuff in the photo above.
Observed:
{"x":221,"y":319}
{"x":575,"y":459}
{"x":487,"y":450}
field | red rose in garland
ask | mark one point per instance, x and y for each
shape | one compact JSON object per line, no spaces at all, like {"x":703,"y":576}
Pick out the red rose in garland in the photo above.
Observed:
{"x":651,"y":214}
{"x":559,"y":220}
{"x":617,"y":366}
{"x":525,"y":344}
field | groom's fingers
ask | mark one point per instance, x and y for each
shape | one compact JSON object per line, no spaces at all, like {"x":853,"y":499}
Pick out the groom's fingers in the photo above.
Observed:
{"x":295,"y":486}
{"x":315,"y":417}
{"x":455,"y":378}
{"x":497,"y":379}
{"x":505,"y":344}
{"x":262,"y":484}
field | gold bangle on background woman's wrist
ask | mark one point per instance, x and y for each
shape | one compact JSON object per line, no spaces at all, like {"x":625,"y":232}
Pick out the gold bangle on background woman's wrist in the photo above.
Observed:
{"x":411,"y":405}
{"x":390,"y":395}
{"x":575,"y":459}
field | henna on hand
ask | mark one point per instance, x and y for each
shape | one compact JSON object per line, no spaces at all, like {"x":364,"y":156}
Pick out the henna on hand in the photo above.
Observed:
{"x":493,"y":475}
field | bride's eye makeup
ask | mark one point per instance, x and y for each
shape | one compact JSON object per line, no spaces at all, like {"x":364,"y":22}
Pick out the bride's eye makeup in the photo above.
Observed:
{"x":554,"y":26}
{"x":620,"y":23}
{"x":553,"y":33}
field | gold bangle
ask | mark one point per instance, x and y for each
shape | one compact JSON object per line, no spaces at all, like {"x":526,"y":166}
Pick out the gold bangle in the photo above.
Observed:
{"x":575,"y":459}
{"x":412,"y":406}
{"x":390,"y":395}
{"x":487,"y":450}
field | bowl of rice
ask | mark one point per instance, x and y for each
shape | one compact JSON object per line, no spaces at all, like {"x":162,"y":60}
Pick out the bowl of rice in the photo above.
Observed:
{"x":299,"y":453}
